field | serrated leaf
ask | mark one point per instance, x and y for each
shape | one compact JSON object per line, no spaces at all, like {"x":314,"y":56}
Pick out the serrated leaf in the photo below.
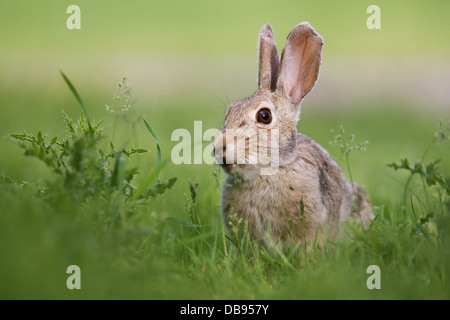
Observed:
{"x":148,"y":181}
{"x":130,"y":174}
{"x":23,"y":137}
{"x":161,"y":187}
{"x":134,"y":151}
{"x":139,"y":150}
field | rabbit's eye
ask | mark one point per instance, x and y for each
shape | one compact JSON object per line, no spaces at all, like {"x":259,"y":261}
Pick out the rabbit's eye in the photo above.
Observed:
{"x":264,"y":116}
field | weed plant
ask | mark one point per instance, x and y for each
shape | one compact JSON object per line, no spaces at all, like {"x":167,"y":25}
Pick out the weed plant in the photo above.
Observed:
{"x":93,"y":215}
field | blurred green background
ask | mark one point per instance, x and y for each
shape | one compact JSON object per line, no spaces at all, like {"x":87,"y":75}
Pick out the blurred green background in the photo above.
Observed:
{"x":186,"y":60}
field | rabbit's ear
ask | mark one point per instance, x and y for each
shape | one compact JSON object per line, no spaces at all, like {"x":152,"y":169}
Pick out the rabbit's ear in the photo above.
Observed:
{"x":300,"y":62}
{"x":268,"y":59}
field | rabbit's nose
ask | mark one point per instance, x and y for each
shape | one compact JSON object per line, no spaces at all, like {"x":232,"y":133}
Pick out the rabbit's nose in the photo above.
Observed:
{"x":219,"y":144}
{"x":219,"y":149}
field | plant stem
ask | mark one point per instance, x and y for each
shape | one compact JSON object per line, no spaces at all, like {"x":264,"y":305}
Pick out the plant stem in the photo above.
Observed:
{"x":353,"y":186}
{"x":346,"y":153}
{"x":428,"y":149}
{"x":405,"y":191}
{"x":114,"y":129}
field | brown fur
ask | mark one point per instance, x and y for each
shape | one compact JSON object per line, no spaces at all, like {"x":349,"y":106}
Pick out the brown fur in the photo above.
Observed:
{"x":308,"y":195}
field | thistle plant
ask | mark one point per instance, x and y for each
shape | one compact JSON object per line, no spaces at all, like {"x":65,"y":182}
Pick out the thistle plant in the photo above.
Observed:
{"x":85,"y":171}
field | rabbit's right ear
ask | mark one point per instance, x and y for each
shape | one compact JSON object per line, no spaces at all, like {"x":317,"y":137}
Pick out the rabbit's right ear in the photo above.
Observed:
{"x":300,"y":62}
{"x":268,"y":59}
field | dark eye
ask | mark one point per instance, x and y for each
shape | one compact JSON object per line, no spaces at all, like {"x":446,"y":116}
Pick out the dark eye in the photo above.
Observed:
{"x":264,"y":116}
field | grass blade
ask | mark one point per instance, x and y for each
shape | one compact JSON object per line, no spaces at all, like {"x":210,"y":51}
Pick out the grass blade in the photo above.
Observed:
{"x":159,"y":165}
{"x":184,"y":223}
{"x":158,"y":149}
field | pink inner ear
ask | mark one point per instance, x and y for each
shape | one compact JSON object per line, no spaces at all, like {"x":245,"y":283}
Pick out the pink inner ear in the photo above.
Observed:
{"x":300,"y":62}
{"x":294,"y":67}
{"x":294,"y":60}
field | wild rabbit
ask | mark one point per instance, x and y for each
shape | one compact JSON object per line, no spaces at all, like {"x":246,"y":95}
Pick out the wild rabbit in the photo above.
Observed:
{"x":294,"y":191}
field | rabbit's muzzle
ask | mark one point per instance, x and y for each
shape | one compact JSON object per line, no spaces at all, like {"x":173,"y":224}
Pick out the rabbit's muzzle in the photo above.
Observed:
{"x":220,"y":154}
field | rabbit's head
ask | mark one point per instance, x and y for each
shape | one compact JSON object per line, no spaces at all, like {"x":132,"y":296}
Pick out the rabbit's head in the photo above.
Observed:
{"x":259,"y":132}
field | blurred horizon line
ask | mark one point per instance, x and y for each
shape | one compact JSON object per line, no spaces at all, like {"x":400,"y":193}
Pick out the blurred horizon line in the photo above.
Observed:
{"x":416,"y":81}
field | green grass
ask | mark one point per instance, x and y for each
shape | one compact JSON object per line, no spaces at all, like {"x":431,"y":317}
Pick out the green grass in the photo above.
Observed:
{"x":173,"y":244}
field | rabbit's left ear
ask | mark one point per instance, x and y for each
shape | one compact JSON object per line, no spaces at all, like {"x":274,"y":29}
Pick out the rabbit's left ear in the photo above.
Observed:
{"x":268,"y":59}
{"x":300,"y":62}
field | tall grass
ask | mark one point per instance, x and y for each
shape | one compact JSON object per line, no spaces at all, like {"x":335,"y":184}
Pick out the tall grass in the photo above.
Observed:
{"x":91,"y":214}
